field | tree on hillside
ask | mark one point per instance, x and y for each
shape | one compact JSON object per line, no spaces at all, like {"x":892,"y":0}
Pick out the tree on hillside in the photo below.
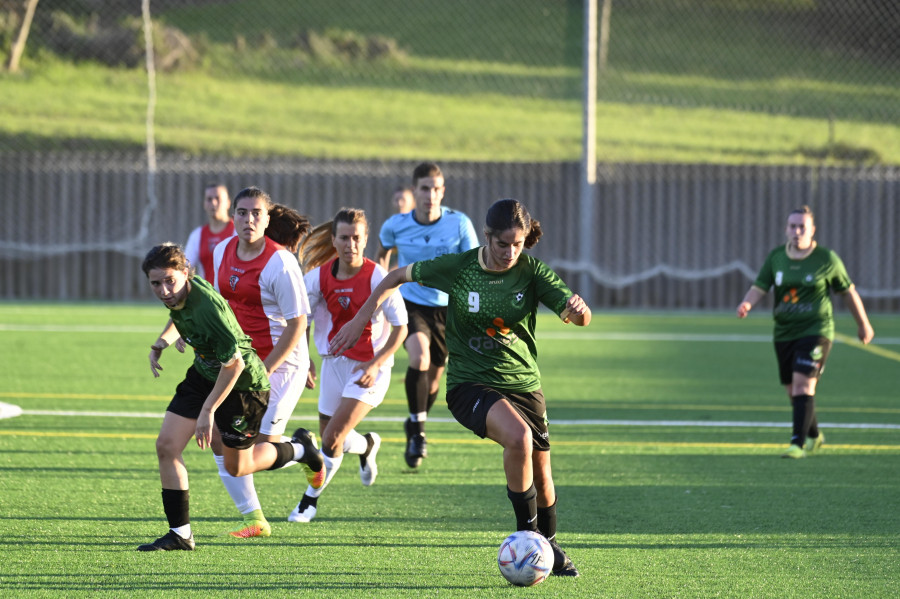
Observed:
{"x":18,"y":47}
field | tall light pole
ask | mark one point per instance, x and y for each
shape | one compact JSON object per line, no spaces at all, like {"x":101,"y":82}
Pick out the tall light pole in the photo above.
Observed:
{"x":588,"y":149}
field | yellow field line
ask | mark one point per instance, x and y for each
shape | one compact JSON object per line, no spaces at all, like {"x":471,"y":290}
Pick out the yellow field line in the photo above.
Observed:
{"x":872,"y":349}
{"x":474,"y":441}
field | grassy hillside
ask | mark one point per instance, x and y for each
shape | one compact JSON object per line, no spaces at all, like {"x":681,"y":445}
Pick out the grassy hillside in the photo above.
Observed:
{"x":687,"y":82}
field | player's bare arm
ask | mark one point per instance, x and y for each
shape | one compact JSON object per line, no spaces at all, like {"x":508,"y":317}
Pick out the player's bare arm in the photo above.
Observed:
{"x":228,"y":376}
{"x":864,"y":330}
{"x":754,"y":294}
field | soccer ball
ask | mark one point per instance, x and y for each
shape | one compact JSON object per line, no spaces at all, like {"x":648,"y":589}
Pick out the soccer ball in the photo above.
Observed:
{"x":525,"y":558}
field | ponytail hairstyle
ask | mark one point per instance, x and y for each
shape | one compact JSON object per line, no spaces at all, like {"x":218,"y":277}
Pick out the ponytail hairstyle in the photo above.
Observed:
{"x":287,"y":227}
{"x":318,"y":247}
{"x":167,"y":255}
{"x":512,"y":214}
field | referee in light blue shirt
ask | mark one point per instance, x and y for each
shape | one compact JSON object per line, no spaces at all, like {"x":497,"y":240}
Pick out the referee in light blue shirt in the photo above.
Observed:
{"x":430,"y":230}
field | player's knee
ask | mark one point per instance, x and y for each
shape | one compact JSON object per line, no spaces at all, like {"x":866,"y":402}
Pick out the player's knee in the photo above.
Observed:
{"x":519,"y":442}
{"x":167,"y":449}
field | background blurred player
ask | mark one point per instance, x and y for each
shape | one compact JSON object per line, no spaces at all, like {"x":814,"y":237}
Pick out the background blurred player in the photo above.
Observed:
{"x":430,"y":230}
{"x":802,"y":274}
{"x":203,"y":239}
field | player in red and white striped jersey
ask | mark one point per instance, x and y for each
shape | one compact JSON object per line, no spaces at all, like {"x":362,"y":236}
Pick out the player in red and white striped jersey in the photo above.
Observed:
{"x":202,"y":240}
{"x":351,"y":385}
{"x":263,"y":284}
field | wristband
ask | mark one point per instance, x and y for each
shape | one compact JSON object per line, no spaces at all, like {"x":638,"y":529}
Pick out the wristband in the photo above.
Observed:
{"x":156,"y":348}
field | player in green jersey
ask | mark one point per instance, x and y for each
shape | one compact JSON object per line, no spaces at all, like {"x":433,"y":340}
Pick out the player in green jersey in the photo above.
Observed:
{"x":803,"y":274}
{"x":493,"y":381}
{"x":224,"y":393}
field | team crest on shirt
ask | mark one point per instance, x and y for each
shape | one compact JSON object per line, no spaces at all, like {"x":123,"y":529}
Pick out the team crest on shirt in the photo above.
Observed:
{"x":233,"y":281}
{"x":779,"y":276}
{"x":517,"y":299}
{"x":344,"y":301}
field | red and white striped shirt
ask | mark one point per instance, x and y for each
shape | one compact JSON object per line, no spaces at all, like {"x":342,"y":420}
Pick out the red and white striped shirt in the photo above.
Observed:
{"x":335,"y":301}
{"x":264,"y":294}
{"x":200,"y":245}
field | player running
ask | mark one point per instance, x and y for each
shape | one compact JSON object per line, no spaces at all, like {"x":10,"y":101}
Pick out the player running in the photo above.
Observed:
{"x":802,"y":274}
{"x":222,"y":398}
{"x":428,"y":231}
{"x":262,"y":281}
{"x":493,"y":383}
{"x":340,"y":281}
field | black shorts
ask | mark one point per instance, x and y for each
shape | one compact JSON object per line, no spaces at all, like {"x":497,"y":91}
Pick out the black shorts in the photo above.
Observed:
{"x":432,"y":321}
{"x":806,"y":355}
{"x":470,"y":402}
{"x":237,"y":418}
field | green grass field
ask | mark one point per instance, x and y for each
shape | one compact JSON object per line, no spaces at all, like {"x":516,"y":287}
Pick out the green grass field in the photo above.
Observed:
{"x":666,"y":430}
{"x":497,"y":81}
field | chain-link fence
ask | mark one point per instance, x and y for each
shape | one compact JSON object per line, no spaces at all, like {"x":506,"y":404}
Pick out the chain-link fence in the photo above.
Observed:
{"x":348,"y":85}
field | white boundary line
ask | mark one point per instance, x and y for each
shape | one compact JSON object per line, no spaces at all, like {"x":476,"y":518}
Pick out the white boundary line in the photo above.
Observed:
{"x":673,"y":423}
{"x":555,"y":335}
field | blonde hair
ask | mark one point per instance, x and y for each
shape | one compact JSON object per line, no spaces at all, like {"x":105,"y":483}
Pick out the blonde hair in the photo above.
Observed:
{"x":318,"y":247}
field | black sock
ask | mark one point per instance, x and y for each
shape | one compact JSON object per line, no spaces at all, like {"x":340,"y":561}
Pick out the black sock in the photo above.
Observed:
{"x":814,"y":423}
{"x":525,"y":508}
{"x":804,"y":413}
{"x":285,"y":454}
{"x":416,"y":390}
{"x":546,"y":521}
{"x":175,"y":505}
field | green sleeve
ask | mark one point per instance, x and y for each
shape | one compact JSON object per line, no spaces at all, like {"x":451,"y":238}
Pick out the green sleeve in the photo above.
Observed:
{"x":839,"y":281}
{"x":765,"y":279}
{"x":551,"y":290}
{"x":438,"y":273}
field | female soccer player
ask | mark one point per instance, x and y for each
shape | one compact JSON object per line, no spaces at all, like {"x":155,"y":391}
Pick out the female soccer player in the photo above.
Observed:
{"x":340,"y":281}
{"x":226,"y":385}
{"x":493,"y":383}
{"x":802,"y":274}
{"x":203,"y":239}
{"x":426,"y":232}
{"x":264,"y":286}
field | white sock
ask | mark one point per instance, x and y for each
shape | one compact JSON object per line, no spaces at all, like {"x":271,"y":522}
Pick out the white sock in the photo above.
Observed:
{"x":331,"y":467}
{"x":183,"y":531}
{"x":240,"y":488}
{"x":298,"y":451}
{"x":418,"y":416}
{"x":355,"y":443}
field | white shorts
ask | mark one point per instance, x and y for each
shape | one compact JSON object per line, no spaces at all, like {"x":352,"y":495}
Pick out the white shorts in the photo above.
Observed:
{"x":338,"y":379}
{"x":287,"y":383}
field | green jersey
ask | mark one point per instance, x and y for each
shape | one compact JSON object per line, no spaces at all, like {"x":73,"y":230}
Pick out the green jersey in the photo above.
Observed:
{"x":802,"y":301}
{"x":207,"y":324}
{"x":491,"y":316}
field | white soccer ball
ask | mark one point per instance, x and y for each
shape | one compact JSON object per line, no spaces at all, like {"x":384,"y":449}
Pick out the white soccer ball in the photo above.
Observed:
{"x":525,"y":558}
